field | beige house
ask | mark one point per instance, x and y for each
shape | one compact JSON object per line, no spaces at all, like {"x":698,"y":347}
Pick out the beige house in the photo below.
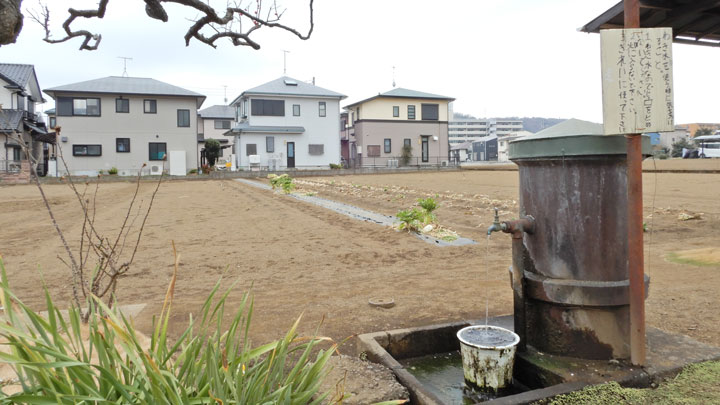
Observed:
{"x":384,"y":124}
{"x":213,"y":123}
{"x":125,"y":123}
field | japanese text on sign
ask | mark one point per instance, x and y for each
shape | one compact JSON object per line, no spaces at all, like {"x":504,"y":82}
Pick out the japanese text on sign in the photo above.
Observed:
{"x":637,"y":80}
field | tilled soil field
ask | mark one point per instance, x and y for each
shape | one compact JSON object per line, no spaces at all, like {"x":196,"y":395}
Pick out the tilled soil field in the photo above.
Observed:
{"x":298,"y":258}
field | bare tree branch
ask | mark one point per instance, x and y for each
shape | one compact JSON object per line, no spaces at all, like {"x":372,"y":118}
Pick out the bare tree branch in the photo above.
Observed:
{"x":43,"y":18}
{"x":223,"y":25}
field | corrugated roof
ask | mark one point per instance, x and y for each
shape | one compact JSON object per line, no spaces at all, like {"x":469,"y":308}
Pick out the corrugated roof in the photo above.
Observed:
{"x":298,"y":88}
{"x":404,"y":93}
{"x":693,"y":22}
{"x":127,"y":85}
{"x":17,"y":73}
{"x":571,"y":127}
{"x":10,"y":120}
{"x":218,"y":111}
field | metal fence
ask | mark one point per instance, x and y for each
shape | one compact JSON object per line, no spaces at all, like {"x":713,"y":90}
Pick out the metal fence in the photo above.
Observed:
{"x":391,"y":162}
{"x":10,"y":166}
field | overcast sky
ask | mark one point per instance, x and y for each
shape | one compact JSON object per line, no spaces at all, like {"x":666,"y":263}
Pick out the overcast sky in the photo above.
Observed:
{"x":496,"y":57}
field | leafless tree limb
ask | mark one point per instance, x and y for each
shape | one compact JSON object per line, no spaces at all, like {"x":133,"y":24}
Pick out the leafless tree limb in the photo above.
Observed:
{"x":43,"y":18}
{"x":223,"y":25}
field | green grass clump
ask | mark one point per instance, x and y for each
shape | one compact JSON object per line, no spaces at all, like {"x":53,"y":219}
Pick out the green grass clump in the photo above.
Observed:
{"x":283,"y":181}
{"x":58,"y":360}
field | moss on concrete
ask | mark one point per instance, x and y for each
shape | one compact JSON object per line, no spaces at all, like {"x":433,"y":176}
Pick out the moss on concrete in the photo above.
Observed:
{"x":696,"y":384}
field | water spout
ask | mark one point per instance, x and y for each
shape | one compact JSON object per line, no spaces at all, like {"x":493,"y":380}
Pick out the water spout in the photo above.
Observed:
{"x":496,"y":225}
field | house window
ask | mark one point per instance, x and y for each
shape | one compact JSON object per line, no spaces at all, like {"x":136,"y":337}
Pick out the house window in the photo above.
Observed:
{"x":87,"y":150}
{"x":183,"y":118}
{"x":53,"y":122}
{"x":16,"y":154}
{"x":68,"y":106}
{"x":322,"y":108}
{"x":20,"y":102}
{"x":411,"y":112}
{"x":122,"y":105}
{"x":122,"y":145}
{"x":296,"y":110}
{"x":316,"y":149}
{"x":388,"y":145}
{"x":396,"y":111}
{"x":270,"y":144}
{"x":373,"y":150}
{"x":222,"y":124}
{"x":275,"y":108}
{"x":407,"y":142}
{"x":251,"y":149}
{"x":158,"y":150}
{"x":150,"y":106}
{"x":430,"y":112}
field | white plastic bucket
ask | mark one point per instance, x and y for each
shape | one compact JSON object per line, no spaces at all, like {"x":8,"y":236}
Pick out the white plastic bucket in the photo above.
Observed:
{"x":488,"y":355}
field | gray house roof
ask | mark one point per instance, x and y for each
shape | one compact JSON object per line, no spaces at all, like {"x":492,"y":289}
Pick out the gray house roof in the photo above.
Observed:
{"x":16,"y":73}
{"x":403,"y":93}
{"x":19,"y":75}
{"x":218,"y":111}
{"x":126,"y":85}
{"x":287,"y":86}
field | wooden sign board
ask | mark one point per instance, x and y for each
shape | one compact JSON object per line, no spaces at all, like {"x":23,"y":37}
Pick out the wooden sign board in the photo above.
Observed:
{"x":637,"y":80}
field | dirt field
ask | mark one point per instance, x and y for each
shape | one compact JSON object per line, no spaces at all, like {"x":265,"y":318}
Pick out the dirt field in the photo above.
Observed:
{"x":299,"y":258}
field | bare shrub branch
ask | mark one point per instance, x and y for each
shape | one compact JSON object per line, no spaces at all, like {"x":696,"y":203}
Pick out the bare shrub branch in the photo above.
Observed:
{"x":96,"y":276}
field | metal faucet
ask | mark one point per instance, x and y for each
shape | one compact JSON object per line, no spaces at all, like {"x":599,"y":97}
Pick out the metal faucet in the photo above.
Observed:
{"x":496,"y":225}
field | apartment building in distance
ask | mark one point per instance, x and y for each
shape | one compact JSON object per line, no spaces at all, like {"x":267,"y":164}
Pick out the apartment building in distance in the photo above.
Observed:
{"x":471,"y":130}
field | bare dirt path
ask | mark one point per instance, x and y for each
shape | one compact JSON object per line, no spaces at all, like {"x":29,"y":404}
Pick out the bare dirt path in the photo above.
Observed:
{"x":300,"y":258}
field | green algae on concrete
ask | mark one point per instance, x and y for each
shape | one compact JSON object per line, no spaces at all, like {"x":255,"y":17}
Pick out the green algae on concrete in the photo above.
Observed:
{"x":696,"y":384}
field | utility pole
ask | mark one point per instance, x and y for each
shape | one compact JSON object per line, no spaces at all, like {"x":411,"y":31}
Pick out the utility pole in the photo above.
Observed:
{"x":225,"y":93}
{"x":125,"y":59}
{"x":393,"y":76}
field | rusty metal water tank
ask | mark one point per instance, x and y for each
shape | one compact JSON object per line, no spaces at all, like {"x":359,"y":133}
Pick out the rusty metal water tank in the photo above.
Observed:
{"x":573,"y":182}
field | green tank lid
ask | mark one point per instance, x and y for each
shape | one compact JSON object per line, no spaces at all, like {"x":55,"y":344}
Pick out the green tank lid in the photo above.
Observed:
{"x":571,"y":138}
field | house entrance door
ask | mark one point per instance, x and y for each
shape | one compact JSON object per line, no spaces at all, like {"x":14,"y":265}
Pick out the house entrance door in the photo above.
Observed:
{"x":290,"y":155}
{"x":425,"y":148}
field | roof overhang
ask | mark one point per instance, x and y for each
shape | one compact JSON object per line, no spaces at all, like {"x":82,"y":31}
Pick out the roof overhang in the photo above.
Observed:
{"x":695,"y":22}
{"x":35,"y":129}
{"x":247,"y":129}
{"x":448,"y":99}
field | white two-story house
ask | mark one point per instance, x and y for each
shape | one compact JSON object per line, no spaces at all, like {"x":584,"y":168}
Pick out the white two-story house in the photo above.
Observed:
{"x":124,"y":123}
{"x":286,"y":124}
{"x":19,"y":122}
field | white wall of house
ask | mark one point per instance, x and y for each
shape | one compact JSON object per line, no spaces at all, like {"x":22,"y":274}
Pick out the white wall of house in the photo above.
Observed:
{"x":318,"y":131}
{"x":6,"y":96}
{"x":142,"y":129}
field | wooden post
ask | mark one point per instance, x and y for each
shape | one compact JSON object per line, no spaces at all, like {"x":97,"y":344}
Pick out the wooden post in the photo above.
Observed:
{"x":636,"y":265}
